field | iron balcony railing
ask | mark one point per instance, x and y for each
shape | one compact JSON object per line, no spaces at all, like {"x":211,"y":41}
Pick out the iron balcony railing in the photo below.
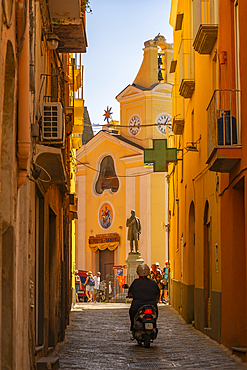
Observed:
{"x":223,"y":119}
{"x":52,"y":88}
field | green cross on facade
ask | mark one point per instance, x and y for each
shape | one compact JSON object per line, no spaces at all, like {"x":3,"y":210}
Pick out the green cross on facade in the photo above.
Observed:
{"x":160,"y":155}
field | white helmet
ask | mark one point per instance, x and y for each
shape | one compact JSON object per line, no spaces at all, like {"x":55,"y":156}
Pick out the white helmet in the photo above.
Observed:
{"x":143,"y":270}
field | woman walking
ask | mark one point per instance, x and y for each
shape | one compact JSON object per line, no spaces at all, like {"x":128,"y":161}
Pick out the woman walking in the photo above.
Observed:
{"x":89,"y":286}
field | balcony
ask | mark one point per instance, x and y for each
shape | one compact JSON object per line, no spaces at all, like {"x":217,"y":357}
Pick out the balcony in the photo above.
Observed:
{"x":72,"y":34}
{"x":76,"y":141}
{"x":52,"y":163}
{"x":76,"y":99}
{"x":178,"y":112}
{"x":223,"y":130}
{"x":75,"y":77}
{"x":64,"y":9}
{"x":178,"y":126}
{"x":186,"y":69}
{"x":205,"y":25}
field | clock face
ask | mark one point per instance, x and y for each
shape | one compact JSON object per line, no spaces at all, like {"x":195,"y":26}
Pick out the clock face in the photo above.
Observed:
{"x":163,"y":122}
{"x":135,"y":125}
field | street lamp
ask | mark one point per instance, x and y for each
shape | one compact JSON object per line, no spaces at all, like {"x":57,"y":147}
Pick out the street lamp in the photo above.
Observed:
{"x":52,"y":41}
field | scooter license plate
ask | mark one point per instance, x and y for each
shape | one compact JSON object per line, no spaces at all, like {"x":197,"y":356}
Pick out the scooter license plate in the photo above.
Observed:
{"x":149,"y":325}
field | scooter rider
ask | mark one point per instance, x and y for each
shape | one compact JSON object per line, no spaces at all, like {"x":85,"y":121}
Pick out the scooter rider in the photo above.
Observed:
{"x":143,"y":291}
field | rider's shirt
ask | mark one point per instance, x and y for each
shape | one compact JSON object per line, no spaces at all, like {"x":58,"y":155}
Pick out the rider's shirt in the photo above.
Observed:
{"x":144,"y":291}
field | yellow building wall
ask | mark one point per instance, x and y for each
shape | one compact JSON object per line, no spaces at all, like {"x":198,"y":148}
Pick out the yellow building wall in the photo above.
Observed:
{"x":190,"y":181}
{"x":158,"y":235}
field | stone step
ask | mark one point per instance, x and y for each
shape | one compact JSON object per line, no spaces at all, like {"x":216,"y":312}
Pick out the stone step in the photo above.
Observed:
{"x":51,"y":363}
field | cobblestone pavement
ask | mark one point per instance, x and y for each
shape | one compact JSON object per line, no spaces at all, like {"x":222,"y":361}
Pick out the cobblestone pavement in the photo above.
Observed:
{"x":98,"y":337}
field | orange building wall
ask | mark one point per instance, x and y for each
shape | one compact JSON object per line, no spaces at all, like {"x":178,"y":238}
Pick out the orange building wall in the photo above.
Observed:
{"x":233,"y":201}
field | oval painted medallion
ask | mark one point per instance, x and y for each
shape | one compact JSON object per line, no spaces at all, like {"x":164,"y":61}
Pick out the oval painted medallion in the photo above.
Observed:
{"x":106,"y":215}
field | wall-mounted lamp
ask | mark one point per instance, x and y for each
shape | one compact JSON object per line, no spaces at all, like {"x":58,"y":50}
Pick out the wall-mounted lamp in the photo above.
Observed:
{"x":91,"y":230}
{"x":191,"y":146}
{"x":52,"y":41}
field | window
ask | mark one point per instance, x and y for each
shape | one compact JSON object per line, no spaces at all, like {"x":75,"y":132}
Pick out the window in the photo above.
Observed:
{"x":107,"y":178}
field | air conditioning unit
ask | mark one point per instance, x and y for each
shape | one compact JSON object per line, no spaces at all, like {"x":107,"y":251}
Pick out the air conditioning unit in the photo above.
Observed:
{"x":52,"y":122}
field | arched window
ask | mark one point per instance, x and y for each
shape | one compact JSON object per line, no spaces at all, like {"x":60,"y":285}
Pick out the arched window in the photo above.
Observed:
{"x":107,"y":178}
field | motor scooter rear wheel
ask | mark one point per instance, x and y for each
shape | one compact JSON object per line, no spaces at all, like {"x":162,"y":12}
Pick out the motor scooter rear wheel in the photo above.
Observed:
{"x":147,"y":341}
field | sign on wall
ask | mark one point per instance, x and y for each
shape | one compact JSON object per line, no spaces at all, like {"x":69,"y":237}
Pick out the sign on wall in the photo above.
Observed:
{"x":103,"y":241}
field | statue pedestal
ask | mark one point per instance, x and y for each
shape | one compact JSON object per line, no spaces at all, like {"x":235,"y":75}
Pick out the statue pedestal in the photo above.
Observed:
{"x":133,"y":260}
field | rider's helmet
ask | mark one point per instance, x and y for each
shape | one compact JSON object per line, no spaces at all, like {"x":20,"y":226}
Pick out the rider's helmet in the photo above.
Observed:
{"x":143,"y":270}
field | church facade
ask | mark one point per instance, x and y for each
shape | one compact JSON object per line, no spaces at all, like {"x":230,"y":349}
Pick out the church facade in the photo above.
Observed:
{"x":113,"y":179}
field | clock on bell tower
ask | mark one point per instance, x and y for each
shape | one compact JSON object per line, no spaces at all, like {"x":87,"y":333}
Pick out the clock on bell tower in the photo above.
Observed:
{"x":146,"y":106}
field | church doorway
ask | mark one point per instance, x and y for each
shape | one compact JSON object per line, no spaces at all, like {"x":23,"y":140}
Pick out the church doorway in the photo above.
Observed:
{"x":207,"y":265}
{"x":106,"y":262}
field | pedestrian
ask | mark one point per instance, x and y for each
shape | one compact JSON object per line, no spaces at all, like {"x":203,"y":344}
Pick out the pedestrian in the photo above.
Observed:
{"x":165,"y":274}
{"x":156,"y":275}
{"x":77,"y":285}
{"x":158,"y":266}
{"x":89,"y":283}
{"x":96,"y":286}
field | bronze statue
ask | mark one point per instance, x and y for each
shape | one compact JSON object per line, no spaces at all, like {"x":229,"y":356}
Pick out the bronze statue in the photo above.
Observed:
{"x":134,"y":225}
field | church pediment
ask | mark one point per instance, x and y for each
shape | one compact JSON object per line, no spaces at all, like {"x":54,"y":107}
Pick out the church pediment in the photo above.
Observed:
{"x":129,"y":92}
{"x":109,"y":141}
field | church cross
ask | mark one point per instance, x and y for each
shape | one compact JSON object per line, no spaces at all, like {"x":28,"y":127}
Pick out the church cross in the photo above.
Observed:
{"x":160,"y":155}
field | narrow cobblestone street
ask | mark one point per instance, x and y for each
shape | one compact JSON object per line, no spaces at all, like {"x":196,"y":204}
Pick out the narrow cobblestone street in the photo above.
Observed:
{"x":98,"y":337}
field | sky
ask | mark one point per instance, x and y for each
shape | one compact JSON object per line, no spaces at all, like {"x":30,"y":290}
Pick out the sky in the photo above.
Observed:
{"x":116,"y":31}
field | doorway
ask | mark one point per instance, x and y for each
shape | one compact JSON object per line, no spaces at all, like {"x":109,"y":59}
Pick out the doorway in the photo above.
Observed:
{"x":39,"y":264}
{"x":52,"y":279}
{"x":106,"y":262}
{"x":237,"y":284}
{"x":192,"y":244}
{"x":207,"y":265}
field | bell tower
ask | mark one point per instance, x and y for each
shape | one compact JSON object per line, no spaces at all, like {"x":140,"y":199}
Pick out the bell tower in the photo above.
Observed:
{"x":145,"y":105}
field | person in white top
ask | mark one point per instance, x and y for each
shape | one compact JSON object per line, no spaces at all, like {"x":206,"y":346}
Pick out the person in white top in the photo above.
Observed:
{"x":96,"y":287}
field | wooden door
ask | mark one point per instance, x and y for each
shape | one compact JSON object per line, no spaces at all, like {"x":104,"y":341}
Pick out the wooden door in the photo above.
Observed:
{"x":106,"y":261}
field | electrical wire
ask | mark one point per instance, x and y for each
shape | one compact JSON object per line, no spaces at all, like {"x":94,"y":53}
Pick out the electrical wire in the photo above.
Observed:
{"x":115,"y":177}
{"x":109,"y":125}
{"x":199,"y":174}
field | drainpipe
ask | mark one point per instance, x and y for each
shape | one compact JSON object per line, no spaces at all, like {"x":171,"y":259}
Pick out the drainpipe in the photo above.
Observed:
{"x":23,"y":140}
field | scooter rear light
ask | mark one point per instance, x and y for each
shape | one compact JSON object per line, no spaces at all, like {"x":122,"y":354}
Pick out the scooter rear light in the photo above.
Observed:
{"x":148,"y":318}
{"x":148,"y":310}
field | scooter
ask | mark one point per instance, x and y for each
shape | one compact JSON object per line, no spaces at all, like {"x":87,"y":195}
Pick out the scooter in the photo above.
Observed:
{"x":144,"y":329}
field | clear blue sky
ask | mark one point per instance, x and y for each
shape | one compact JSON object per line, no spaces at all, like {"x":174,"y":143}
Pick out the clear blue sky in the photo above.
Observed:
{"x":116,"y":32}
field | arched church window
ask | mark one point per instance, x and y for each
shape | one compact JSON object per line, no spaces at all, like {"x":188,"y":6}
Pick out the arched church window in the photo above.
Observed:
{"x":107,"y":178}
